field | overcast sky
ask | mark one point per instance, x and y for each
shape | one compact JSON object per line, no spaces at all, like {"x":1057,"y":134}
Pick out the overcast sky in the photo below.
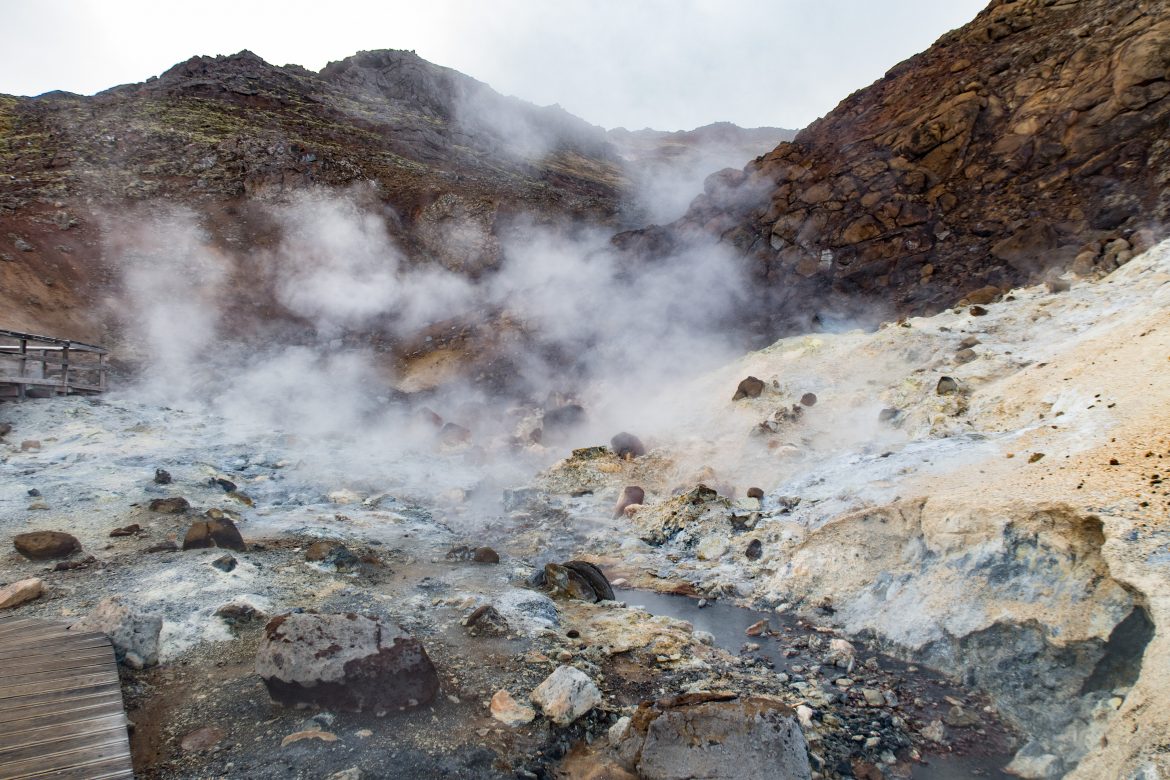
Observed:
{"x":668,"y":64}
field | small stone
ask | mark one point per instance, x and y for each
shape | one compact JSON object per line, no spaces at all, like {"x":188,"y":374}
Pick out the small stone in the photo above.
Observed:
{"x":935,"y":731}
{"x":235,"y":613}
{"x":20,"y":592}
{"x":486,"y":621}
{"x":888,"y":414}
{"x":705,"y":638}
{"x":1035,"y":456}
{"x":566,"y":695}
{"x":965,"y":356}
{"x":201,"y":739}
{"x":759,"y":628}
{"x":224,"y":563}
{"x":755,"y":550}
{"x":164,"y":546}
{"x":510,"y":712}
{"x":129,"y":530}
{"x":162,"y":477}
{"x":29,"y":445}
{"x":225,"y":484}
{"x":175,"y":505}
{"x":809,"y":399}
{"x":46,"y":545}
{"x":750,"y":387}
{"x":873,"y":697}
{"x":712,"y":548}
{"x":947,"y":386}
{"x":957,"y":717}
{"x":617,"y":732}
{"x":977,"y":311}
{"x":34,"y":493}
{"x":300,"y":736}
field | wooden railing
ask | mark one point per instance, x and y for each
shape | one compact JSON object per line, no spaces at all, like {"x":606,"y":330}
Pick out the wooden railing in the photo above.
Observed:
{"x":37,"y":366}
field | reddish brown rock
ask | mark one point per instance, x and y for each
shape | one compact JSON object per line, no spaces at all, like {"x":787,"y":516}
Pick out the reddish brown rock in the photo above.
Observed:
{"x":175,"y":505}
{"x":220,"y":532}
{"x":749,"y":388}
{"x":46,"y":545}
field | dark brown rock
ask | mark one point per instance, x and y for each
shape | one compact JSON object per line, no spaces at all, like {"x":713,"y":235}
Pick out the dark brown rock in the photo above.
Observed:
{"x":214,"y":533}
{"x":754,"y":551}
{"x":485,"y":555}
{"x":46,"y":545}
{"x":162,"y":477}
{"x":631,"y":495}
{"x":749,"y":388}
{"x":809,"y":399}
{"x":175,"y":505}
{"x":129,"y":530}
{"x":627,"y":444}
{"x":755,"y":492}
{"x":946,"y":386}
{"x":344,"y":662}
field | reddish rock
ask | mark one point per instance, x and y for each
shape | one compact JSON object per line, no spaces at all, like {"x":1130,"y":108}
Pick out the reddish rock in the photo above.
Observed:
{"x":46,"y":545}
{"x":749,"y":388}
{"x":220,"y":532}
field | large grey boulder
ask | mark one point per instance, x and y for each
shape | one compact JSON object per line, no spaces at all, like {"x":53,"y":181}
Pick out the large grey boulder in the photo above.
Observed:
{"x":344,"y":662}
{"x":714,"y":737}
{"x":133,"y":632}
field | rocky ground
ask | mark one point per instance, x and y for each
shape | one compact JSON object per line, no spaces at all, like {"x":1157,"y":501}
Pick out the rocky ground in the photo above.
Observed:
{"x":975,"y":493}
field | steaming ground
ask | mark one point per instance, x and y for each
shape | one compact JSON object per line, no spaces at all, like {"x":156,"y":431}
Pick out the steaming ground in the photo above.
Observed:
{"x":984,"y":532}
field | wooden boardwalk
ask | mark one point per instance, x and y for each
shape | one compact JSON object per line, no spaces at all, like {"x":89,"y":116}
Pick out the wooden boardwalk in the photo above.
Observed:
{"x":32,"y":365}
{"x":61,"y":713}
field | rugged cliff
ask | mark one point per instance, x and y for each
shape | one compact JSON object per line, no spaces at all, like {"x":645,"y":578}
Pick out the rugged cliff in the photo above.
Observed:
{"x":1026,"y":142}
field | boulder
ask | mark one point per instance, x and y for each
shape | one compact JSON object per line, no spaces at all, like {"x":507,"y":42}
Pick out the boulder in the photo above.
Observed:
{"x":133,"y":632}
{"x":566,"y":695}
{"x":627,"y":444}
{"x":716,"y":737}
{"x":21,"y":591}
{"x":344,"y":662}
{"x":631,"y":495}
{"x":46,"y":545}
{"x":221,"y":532}
{"x":486,"y":621}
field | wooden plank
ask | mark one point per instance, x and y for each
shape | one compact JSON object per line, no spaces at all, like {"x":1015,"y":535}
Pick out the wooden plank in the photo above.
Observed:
{"x":72,"y":643}
{"x":68,"y":753}
{"x":34,"y":382}
{"x":61,"y":662}
{"x":65,"y":726}
{"x":107,"y":769}
{"x":19,"y":717}
{"x":79,"y":681}
{"x":70,"y":700}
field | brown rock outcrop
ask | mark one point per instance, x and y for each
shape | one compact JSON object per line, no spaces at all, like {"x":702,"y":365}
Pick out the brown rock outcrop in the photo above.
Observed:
{"x":1030,"y":136}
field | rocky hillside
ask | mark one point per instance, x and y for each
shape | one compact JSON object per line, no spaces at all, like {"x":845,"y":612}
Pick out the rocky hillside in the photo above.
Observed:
{"x":1028,"y":141}
{"x":440,"y":153}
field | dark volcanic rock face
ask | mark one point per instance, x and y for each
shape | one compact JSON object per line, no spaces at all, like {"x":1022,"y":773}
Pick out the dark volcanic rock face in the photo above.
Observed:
{"x":1030,"y":136}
